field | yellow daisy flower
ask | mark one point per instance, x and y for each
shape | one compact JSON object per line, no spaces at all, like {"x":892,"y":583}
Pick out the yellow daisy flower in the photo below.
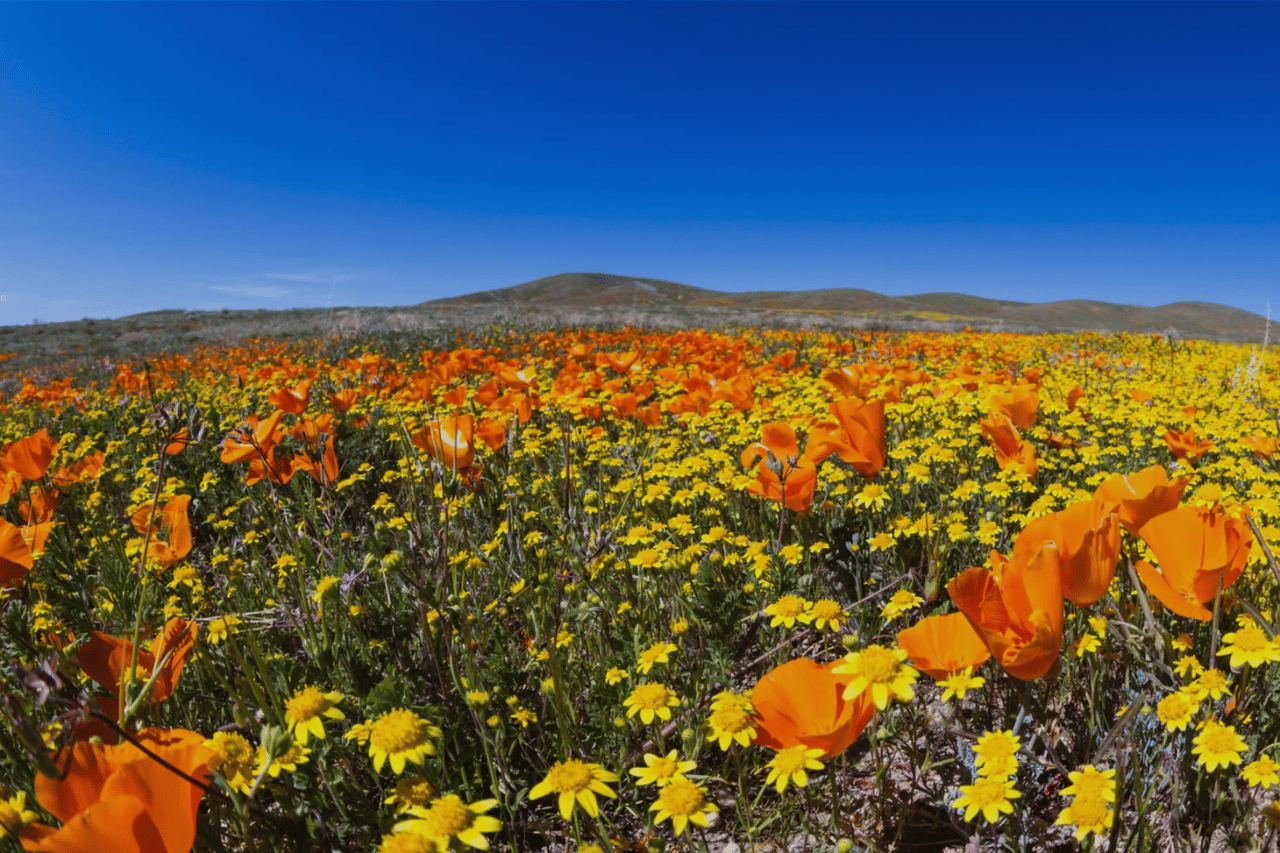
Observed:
{"x":883,"y":671}
{"x":576,"y":782}
{"x":651,"y":700}
{"x":306,"y":711}
{"x":685,"y":803}
{"x":401,"y":736}
{"x":449,"y":817}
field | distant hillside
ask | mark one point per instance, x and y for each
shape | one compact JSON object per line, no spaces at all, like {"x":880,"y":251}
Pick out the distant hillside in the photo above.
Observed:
{"x":603,"y":291}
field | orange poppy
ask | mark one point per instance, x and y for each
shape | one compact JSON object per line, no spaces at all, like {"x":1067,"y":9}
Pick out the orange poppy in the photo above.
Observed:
{"x":860,"y":439}
{"x":1185,"y":445}
{"x":1018,"y":405}
{"x":173,"y":519}
{"x":1074,"y":396}
{"x":105,"y":658}
{"x":15,"y":555}
{"x":1142,"y":496}
{"x":29,"y":456}
{"x":292,"y":400}
{"x":788,"y":477}
{"x":120,"y":799}
{"x":1011,"y":450}
{"x":621,"y":361}
{"x":1260,"y":445}
{"x":176,"y":442}
{"x":261,"y":436}
{"x":342,"y":401}
{"x":1018,"y":614}
{"x":940,"y":646}
{"x":1088,"y":538}
{"x":1195,"y":549}
{"x":1141,"y":395}
{"x":802,"y":702}
{"x":449,"y":441}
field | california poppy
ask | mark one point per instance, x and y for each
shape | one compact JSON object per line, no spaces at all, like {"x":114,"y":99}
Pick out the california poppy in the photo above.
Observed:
{"x":782,"y":473}
{"x":172,"y":518}
{"x":1196,"y":548}
{"x":118,"y":798}
{"x":1018,"y":405}
{"x":1011,"y":451}
{"x":448,"y":440}
{"x":292,"y":400}
{"x":106,"y":659}
{"x":940,"y":646}
{"x":860,"y":438}
{"x":1142,"y":496}
{"x":261,"y":436}
{"x":15,"y":555}
{"x":1185,"y":445}
{"x":1088,"y":538}
{"x":1019,"y":614}
{"x":1261,"y":445}
{"x":29,"y":456}
{"x":802,"y":702}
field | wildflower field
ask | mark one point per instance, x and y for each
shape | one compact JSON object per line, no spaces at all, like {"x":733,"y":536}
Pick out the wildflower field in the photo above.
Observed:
{"x":631,"y":590}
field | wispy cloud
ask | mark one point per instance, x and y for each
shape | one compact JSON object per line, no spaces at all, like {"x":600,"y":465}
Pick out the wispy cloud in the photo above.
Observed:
{"x":251,"y":291}
{"x":312,"y":277}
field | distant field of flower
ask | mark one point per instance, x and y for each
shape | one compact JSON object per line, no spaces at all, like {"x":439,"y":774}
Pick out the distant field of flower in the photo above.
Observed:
{"x":593,"y":591}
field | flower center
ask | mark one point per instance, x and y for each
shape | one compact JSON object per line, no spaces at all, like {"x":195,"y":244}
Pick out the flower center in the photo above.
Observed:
{"x":415,"y":791}
{"x":664,"y":768}
{"x":408,"y":842}
{"x":448,"y":816}
{"x":826,"y":609}
{"x":650,"y":696}
{"x":790,"y":760}
{"x":988,"y":791}
{"x":570,"y":777}
{"x":682,"y":797}
{"x":308,"y":704}
{"x":397,"y":731}
{"x":730,"y":719}
{"x":878,"y":664}
{"x":1089,"y":811}
{"x":1219,"y":739}
{"x":1251,"y":640}
{"x":10,"y":818}
{"x":789,"y":605}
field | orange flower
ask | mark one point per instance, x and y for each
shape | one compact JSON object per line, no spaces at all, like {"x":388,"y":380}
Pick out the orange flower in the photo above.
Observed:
{"x":118,"y":798}
{"x":1185,"y":445}
{"x":261,"y":437}
{"x":449,"y":441}
{"x":1195,"y":548}
{"x":940,"y":646}
{"x":1018,"y":614}
{"x":1011,"y":450}
{"x":802,"y":703}
{"x":173,"y":518}
{"x":1088,"y":538}
{"x":860,"y":438}
{"x":1141,"y":395}
{"x":343,"y":400}
{"x":106,"y":659}
{"x":15,"y":556}
{"x":1018,"y":405}
{"x":1141,"y":496}
{"x":29,"y":456}
{"x":1261,"y":445}
{"x":294,"y":401}
{"x":1074,"y":396}
{"x":787,"y":477}
{"x":176,"y":442}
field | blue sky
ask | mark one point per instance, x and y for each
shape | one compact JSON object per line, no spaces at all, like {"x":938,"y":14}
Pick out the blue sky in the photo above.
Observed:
{"x":211,"y":155}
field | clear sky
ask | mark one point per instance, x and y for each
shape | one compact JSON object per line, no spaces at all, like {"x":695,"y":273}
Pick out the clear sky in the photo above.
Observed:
{"x":211,"y":155}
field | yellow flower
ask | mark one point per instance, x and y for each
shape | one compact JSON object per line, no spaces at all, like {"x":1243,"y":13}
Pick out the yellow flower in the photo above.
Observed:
{"x":1249,"y":645}
{"x":407,"y":842}
{"x":662,"y":770}
{"x":790,"y":764}
{"x":657,"y":653}
{"x":449,"y":817}
{"x":1262,"y":773}
{"x":882,"y":670}
{"x":1089,"y":781}
{"x":1087,"y":815}
{"x":1086,"y":644}
{"x":1182,"y":642}
{"x":996,"y":750}
{"x":732,"y":720}
{"x":1176,"y":709}
{"x":650,"y":700}
{"x":1188,"y":665}
{"x":826,"y":614}
{"x":990,"y":795}
{"x":1217,"y":745}
{"x":576,"y":782}
{"x":683,"y":802}
{"x":234,"y":759}
{"x":786,"y":610}
{"x":401,"y":736}
{"x":1211,"y":683}
{"x":410,"y":791}
{"x":902,"y":601}
{"x":615,"y":675}
{"x":14,"y":815}
{"x":221,"y":627}
{"x":306,"y":710}
{"x":524,"y":717}
{"x":958,"y":684}
{"x":296,"y":754}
